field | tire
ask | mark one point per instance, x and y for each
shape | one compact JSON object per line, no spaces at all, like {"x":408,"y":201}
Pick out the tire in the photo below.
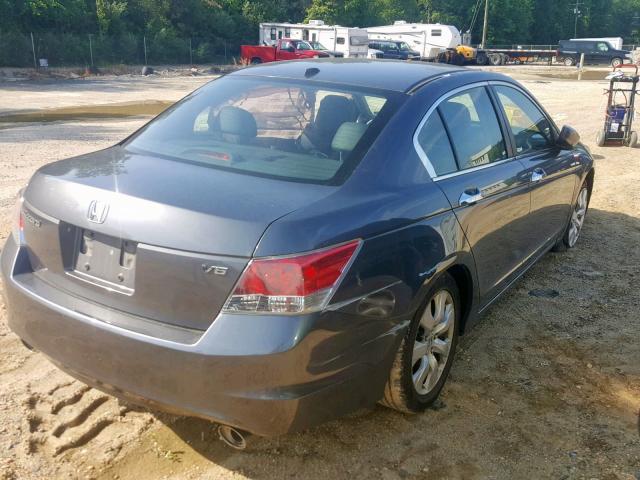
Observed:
{"x":482,"y":59}
{"x":256,"y":60}
{"x":569,"y":62}
{"x":576,"y":221}
{"x":494,"y":59}
{"x":600,"y":138}
{"x":616,"y":62}
{"x":633,"y":139}
{"x":433,"y":336}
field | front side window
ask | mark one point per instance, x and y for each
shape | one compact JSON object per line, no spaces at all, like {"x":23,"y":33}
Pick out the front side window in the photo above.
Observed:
{"x":603,"y":47}
{"x":290,"y":130}
{"x":285,"y":45}
{"x":302,"y":45}
{"x":530,"y":127}
{"x":403,"y":46}
{"x":473,"y":126}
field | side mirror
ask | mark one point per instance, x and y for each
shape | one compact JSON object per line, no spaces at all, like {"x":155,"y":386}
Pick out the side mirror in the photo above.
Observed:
{"x":568,"y":137}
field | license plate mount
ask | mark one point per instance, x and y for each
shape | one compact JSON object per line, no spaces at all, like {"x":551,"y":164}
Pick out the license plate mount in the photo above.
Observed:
{"x":105,"y":261}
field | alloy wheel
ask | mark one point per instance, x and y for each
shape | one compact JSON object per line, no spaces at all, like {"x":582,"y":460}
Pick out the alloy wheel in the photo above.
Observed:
{"x":577,"y":217}
{"x":433,"y":342}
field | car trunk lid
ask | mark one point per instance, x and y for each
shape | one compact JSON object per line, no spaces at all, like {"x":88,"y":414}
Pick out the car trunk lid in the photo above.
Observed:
{"x":150,"y":237}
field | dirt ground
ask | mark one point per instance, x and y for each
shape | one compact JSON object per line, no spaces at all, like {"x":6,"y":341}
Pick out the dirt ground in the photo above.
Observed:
{"x":543,"y":387}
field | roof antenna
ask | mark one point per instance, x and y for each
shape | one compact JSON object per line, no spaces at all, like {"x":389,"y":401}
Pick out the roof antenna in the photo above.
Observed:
{"x":310,"y":72}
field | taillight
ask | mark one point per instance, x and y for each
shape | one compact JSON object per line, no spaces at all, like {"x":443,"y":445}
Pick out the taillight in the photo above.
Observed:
{"x":293,"y":284}
{"x":18,"y":219}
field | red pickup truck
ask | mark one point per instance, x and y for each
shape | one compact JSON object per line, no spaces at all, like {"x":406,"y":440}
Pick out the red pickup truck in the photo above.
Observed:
{"x":285,"y":49}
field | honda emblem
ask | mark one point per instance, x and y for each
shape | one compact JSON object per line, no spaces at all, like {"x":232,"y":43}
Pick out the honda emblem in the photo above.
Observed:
{"x":98,"y":211}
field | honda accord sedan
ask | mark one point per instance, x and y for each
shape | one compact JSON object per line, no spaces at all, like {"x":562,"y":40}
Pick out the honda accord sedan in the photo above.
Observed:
{"x":293,"y":241}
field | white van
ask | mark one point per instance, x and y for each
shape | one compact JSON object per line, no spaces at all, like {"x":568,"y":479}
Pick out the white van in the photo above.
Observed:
{"x":429,"y":39}
{"x":348,"y":42}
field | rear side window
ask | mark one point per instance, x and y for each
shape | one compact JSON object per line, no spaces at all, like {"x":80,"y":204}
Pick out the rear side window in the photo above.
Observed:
{"x":434,"y":141}
{"x":473,"y":126}
{"x":530,"y":127}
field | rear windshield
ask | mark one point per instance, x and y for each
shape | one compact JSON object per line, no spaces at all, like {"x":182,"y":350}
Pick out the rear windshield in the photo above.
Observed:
{"x":297,"y":131}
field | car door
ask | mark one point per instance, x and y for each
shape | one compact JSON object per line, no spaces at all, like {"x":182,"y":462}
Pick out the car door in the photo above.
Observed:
{"x":603,"y":53}
{"x":462,"y":143}
{"x":552,"y":171}
{"x":287,"y":51}
{"x":391,"y":51}
{"x":591,"y":54}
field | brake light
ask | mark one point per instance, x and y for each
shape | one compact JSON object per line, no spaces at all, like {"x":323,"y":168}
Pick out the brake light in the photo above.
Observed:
{"x":18,"y":219}
{"x":293,"y":284}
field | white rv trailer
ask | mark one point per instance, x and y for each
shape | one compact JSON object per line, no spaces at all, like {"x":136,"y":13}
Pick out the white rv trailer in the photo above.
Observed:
{"x":350,"y":41}
{"x":427,"y":38}
{"x":616,"y":42}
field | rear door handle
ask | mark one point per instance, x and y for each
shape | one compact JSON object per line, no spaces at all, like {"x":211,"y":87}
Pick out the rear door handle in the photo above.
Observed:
{"x":469,"y":197}
{"x":537,"y":175}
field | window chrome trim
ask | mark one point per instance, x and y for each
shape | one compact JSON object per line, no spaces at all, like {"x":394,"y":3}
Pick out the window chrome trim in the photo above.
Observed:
{"x":422,"y":154}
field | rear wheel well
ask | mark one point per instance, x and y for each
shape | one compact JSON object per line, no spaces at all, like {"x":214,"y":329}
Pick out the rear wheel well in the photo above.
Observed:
{"x":462,"y":277}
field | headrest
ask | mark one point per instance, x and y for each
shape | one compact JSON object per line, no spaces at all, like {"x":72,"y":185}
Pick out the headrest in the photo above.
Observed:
{"x":334,"y":109}
{"x":237,"y":121}
{"x":348,"y":136}
{"x":455,"y":113}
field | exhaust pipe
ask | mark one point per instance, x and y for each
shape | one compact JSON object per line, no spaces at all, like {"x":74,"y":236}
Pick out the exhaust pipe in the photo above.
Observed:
{"x":232,"y":437}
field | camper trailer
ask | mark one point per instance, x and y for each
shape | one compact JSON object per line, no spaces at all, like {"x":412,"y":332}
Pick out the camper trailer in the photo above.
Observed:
{"x":427,"y":39}
{"x":345,"y":41}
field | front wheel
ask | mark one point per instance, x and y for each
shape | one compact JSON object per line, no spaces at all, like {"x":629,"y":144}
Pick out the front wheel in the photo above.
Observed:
{"x":616,"y":62}
{"x":426,"y":353}
{"x":578,"y":214}
{"x":569,"y":62}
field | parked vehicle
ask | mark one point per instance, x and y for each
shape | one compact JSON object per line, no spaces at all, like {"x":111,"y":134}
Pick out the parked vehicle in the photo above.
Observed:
{"x":285,"y":49}
{"x":321,"y":48}
{"x":596,"y":53}
{"x":395,"y":50}
{"x":350,"y":41}
{"x":427,"y":39}
{"x":615,"y":42}
{"x":293,"y":241}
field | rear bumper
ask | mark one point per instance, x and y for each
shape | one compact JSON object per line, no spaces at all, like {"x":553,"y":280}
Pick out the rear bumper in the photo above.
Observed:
{"x":266,"y":375}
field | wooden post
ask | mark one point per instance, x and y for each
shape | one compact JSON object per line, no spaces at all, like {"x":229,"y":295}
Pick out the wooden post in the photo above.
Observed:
{"x":33,"y":49}
{"x":144,"y":41}
{"x":91,"y":49}
{"x":581,"y":66}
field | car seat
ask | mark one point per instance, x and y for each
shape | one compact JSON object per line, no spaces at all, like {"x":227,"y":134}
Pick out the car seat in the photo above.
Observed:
{"x":347,"y":137}
{"x":233,"y":125}
{"x":334,"y":110}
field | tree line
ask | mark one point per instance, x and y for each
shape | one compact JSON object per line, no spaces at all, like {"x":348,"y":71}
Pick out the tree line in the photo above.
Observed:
{"x":225,"y":24}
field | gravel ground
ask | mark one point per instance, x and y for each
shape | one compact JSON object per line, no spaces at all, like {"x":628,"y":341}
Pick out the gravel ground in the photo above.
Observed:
{"x":541,"y":388}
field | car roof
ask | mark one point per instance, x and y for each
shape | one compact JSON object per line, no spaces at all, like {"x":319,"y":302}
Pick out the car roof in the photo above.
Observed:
{"x":400,"y":76}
